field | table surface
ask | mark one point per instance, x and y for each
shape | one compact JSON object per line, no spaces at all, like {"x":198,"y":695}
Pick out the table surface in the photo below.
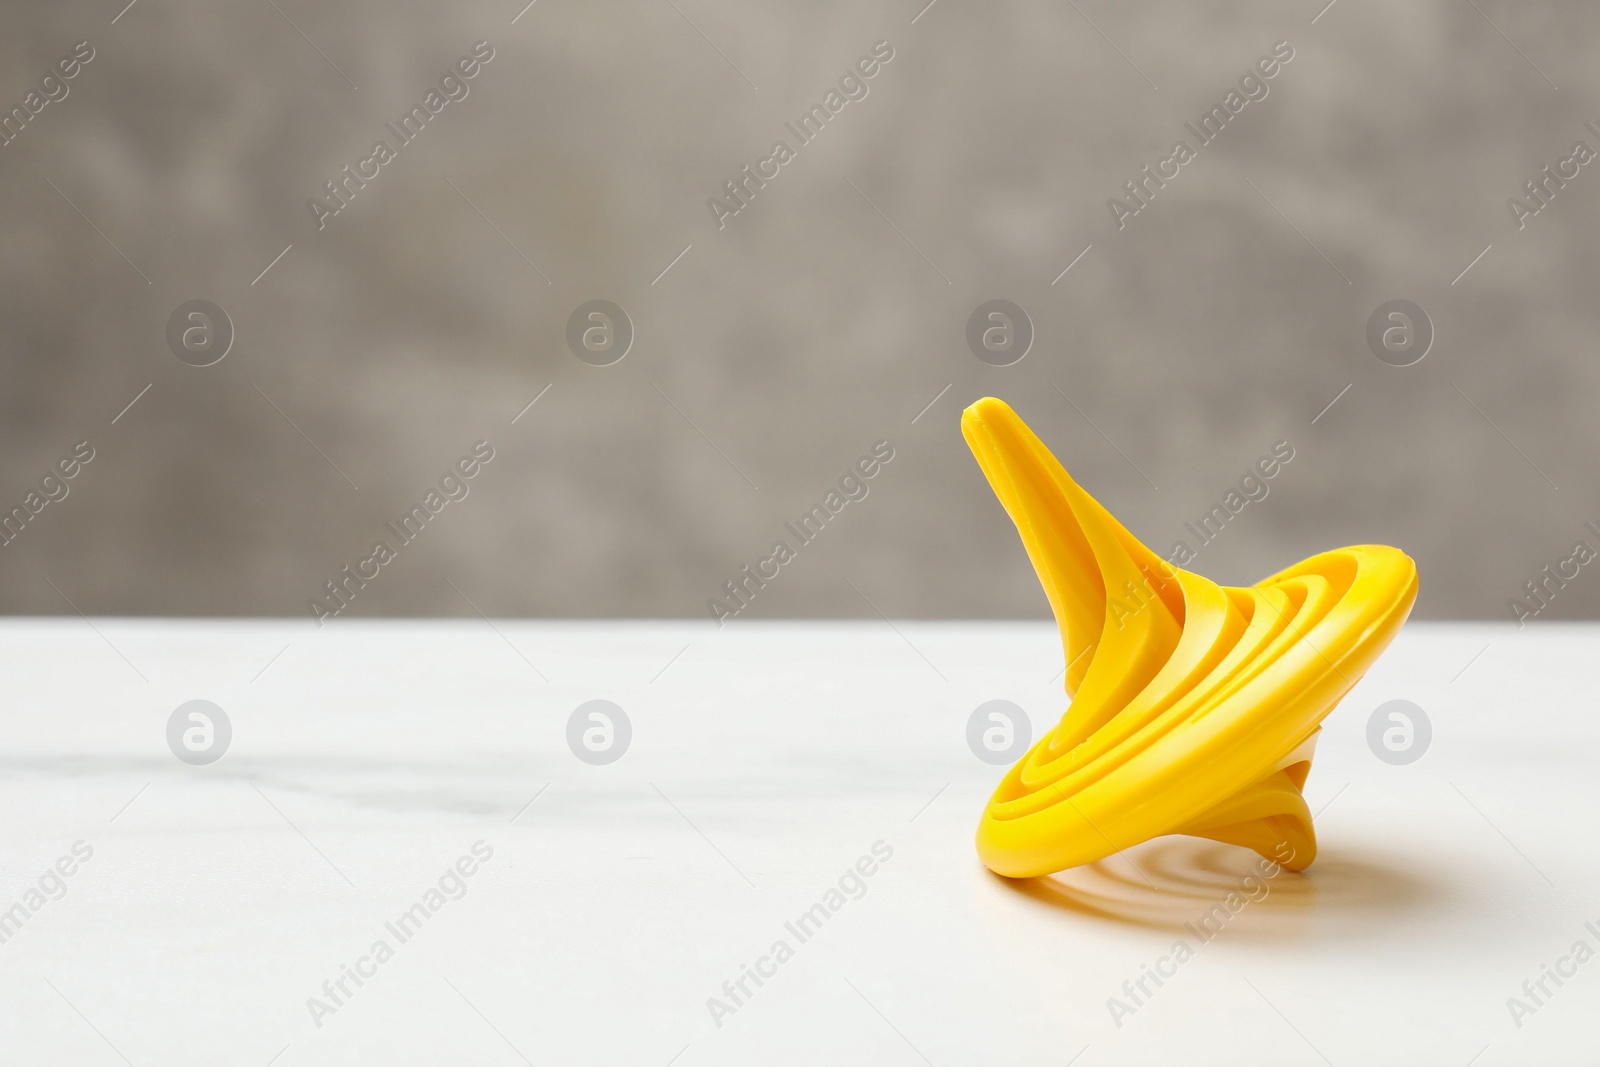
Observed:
{"x":766,"y":760}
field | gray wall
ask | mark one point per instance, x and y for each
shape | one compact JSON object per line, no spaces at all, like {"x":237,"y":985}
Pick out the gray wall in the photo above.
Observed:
{"x":821,"y":319}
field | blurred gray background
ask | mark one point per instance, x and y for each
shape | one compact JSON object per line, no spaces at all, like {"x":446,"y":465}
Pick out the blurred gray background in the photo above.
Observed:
{"x":826,"y":316}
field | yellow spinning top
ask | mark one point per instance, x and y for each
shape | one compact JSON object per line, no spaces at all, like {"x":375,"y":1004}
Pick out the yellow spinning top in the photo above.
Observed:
{"x":1195,"y":707}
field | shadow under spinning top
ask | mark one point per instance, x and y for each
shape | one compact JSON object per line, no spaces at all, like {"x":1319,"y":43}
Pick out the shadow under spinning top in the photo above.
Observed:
{"x":1195,"y":707}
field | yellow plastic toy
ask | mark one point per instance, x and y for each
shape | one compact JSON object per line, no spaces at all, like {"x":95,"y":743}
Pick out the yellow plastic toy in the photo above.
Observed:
{"x":1195,"y":707}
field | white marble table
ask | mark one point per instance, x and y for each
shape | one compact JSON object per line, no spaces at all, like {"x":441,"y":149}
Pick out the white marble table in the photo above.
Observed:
{"x":367,"y":760}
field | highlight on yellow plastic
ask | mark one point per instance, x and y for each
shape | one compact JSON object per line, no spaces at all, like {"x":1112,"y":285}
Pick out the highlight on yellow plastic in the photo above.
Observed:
{"x":1195,"y":707}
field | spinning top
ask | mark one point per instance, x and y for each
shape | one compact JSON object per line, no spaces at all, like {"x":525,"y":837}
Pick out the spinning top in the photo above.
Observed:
{"x":1195,"y":707}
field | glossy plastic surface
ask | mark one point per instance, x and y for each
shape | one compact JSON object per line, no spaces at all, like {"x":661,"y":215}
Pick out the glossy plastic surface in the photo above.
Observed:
{"x":1195,"y":707}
